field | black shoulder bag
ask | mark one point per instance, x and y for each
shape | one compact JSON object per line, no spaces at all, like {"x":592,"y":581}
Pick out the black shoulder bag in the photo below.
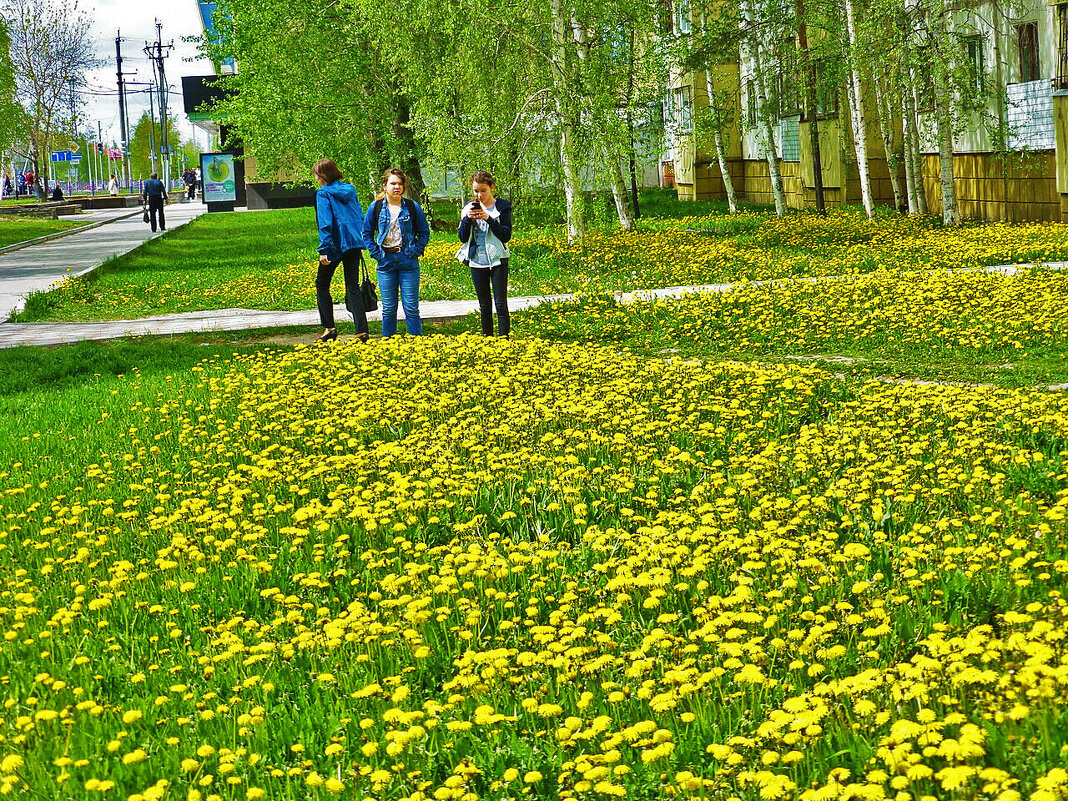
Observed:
{"x":368,"y":293}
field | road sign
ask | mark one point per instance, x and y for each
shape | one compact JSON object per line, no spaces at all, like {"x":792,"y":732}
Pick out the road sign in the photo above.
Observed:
{"x":74,"y":147}
{"x":61,"y":155}
{"x":76,"y":158}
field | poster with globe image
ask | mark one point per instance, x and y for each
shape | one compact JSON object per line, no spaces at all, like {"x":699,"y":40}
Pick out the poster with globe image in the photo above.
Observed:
{"x":219,"y":176}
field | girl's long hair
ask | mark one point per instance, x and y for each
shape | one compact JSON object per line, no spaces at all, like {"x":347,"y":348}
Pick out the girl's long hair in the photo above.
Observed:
{"x":328,"y":170}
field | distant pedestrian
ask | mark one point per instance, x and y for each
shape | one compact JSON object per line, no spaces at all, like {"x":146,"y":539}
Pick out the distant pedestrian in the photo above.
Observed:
{"x":20,"y":183}
{"x":57,"y":192}
{"x":113,"y":185}
{"x":7,"y":185}
{"x":155,"y":193}
{"x":395,"y":233}
{"x":339,"y":217}
{"x":485,"y":228}
{"x":31,"y":183}
{"x":190,"y":179}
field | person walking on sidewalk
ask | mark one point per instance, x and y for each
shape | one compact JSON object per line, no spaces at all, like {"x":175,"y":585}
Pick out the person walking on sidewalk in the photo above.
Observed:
{"x":113,"y":185}
{"x":190,"y":179}
{"x":485,"y":228}
{"x":155,"y":193}
{"x":395,"y":233}
{"x":340,"y":219}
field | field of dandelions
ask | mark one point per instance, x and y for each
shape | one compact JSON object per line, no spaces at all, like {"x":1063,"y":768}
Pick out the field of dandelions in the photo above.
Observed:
{"x":552,"y":567}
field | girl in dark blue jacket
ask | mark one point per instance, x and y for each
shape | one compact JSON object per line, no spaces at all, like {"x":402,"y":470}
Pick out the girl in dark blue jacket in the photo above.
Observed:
{"x":485,"y":228}
{"x":340,"y":219}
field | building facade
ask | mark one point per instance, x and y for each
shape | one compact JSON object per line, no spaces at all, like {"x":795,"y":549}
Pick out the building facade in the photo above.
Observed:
{"x":1019,"y":58}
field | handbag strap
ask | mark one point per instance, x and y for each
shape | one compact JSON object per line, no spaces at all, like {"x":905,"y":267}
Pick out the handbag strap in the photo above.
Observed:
{"x":366,"y":273}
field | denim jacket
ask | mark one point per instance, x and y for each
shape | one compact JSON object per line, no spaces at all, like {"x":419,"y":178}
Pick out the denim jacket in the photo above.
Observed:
{"x":339,"y":216}
{"x":415,"y":233}
{"x":497,"y":236}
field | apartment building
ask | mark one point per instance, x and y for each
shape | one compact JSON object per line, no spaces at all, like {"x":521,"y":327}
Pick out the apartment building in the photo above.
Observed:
{"x":1018,"y":58}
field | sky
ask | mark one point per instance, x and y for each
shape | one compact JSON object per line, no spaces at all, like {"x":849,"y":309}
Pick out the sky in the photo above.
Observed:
{"x":136,"y":19}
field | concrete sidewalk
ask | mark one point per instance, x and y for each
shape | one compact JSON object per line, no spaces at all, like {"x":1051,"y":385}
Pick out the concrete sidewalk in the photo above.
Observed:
{"x":36,"y":268}
{"x":15,"y":334}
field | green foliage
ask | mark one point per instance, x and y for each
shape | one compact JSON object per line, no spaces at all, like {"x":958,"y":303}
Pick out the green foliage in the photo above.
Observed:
{"x":144,"y":134}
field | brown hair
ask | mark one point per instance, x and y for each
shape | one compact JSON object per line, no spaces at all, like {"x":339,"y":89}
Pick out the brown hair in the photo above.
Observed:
{"x":483,"y":177}
{"x":327,"y":170}
{"x":386,"y":176}
{"x":154,"y":175}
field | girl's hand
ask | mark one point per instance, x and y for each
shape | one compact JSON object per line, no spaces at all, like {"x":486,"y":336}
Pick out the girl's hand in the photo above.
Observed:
{"x":478,"y":213}
{"x":324,"y":259}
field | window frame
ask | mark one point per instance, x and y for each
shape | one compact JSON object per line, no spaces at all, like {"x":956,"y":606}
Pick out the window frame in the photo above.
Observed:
{"x":1027,"y":41}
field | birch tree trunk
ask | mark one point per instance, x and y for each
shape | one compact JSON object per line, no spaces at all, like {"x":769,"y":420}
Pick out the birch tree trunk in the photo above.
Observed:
{"x":943,"y":109}
{"x":893,"y":160}
{"x":565,"y":107}
{"x":619,"y":191}
{"x":721,"y":151}
{"x":910,"y":162}
{"x":751,"y":52}
{"x":856,"y":113}
{"x":917,"y":150}
{"x":576,"y":222}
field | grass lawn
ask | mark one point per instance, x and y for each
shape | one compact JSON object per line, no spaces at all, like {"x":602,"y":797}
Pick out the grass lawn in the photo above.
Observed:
{"x":525,"y":568}
{"x":20,"y":229}
{"x":646,"y":550}
{"x":266,"y":260}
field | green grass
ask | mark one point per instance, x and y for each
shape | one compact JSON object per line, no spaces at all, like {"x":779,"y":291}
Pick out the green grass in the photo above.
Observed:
{"x":21,"y":229}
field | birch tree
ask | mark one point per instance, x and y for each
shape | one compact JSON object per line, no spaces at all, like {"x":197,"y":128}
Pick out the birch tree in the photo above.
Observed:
{"x":857,"y":117}
{"x":715,"y":42}
{"x":752,"y":47}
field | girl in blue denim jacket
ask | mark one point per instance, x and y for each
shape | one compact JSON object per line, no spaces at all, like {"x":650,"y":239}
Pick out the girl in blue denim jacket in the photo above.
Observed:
{"x":339,"y":218}
{"x":395,"y":233}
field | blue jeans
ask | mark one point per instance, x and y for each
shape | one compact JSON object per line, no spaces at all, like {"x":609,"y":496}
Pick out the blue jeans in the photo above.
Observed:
{"x":406,"y":280}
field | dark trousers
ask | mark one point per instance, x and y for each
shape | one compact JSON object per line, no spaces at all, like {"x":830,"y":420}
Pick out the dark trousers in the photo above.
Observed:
{"x":155,"y":207}
{"x":350,"y":265}
{"x":497,"y":278}
{"x":190,"y":190}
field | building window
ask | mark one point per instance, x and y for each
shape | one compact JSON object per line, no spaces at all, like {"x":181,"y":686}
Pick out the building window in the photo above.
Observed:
{"x":1027,"y":46}
{"x":788,"y":83}
{"x":975,"y":61}
{"x":682,"y":16}
{"x":1062,"y":46}
{"x":751,"y":103}
{"x":684,"y":110}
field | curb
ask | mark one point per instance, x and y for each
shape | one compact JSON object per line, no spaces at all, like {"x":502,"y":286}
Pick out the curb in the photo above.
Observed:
{"x":60,"y":234}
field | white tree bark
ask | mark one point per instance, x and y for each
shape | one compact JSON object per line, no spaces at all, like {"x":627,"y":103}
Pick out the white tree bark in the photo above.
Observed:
{"x":721,"y":151}
{"x":562,"y":29}
{"x":766,"y":135}
{"x":893,"y":160}
{"x":943,"y":110}
{"x":856,"y":113}
{"x":914,"y":137}
{"x":619,"y":191}
{"x":908,"y":146}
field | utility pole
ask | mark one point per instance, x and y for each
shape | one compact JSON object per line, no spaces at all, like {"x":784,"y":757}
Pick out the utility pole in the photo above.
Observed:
{"x":152,"y":131}
{"x":157,"y":56}
{"x":124,"y":122}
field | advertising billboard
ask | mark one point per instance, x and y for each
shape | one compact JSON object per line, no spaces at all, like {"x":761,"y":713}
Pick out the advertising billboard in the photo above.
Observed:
{"x":219,"y":177}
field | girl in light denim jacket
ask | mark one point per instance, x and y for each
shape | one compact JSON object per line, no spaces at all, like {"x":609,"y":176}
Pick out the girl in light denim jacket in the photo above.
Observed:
{"x":395,"y":233}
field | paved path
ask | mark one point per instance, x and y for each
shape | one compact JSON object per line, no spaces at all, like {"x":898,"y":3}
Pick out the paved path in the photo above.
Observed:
{"x":36,"y":268}
{"x":133,"y":232}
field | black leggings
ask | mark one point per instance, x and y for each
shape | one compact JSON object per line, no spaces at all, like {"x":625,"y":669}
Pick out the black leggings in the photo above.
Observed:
{"x":350,"y":262}
{"x":498,"y":278}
